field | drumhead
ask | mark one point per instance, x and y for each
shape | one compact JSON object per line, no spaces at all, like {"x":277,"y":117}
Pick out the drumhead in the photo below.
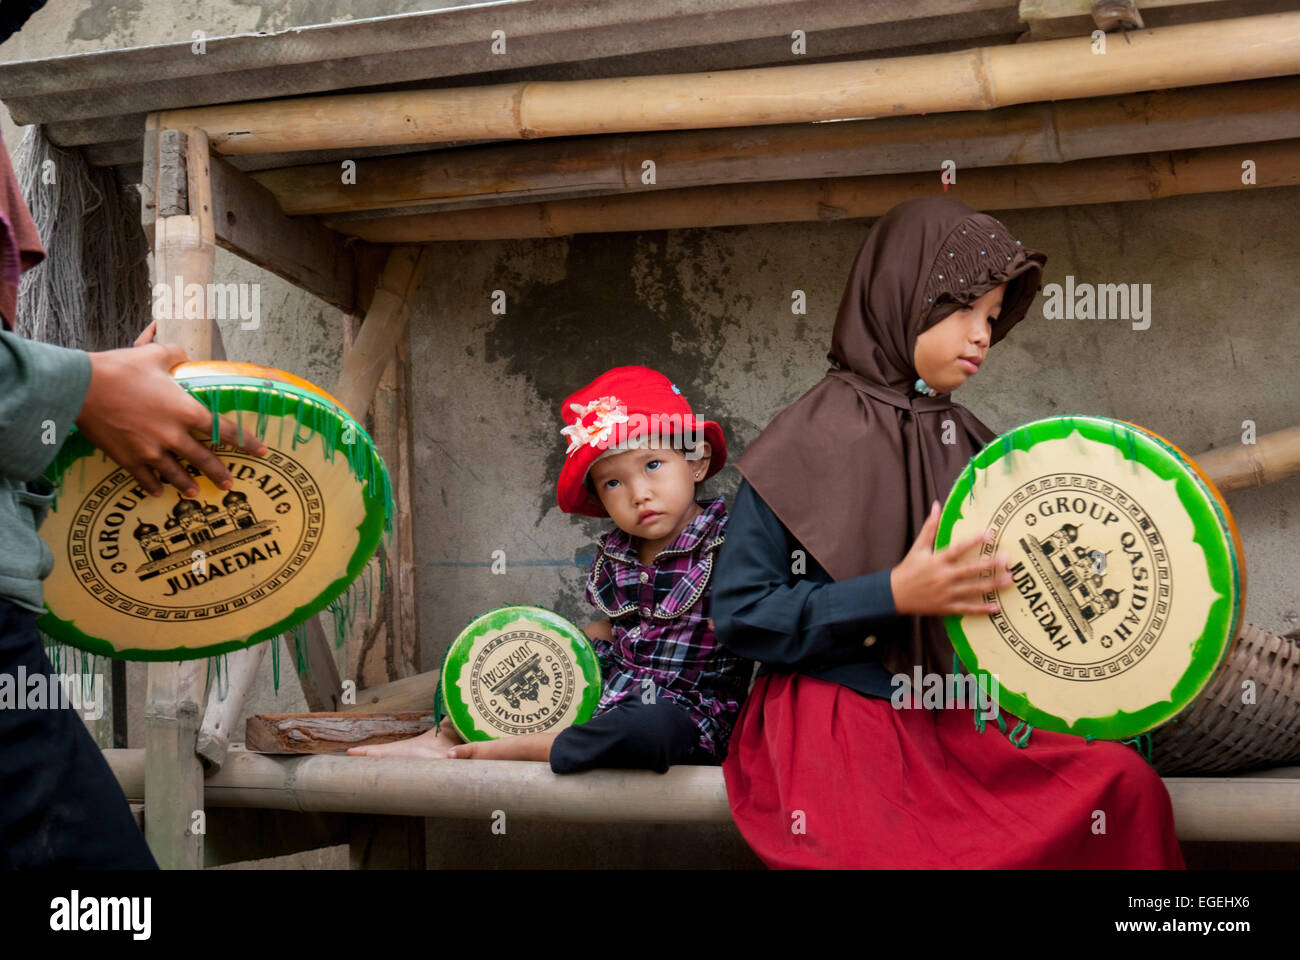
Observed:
{"x":519,"y":670}
{"x":173,"y":578}
{"x":1129,"y":579}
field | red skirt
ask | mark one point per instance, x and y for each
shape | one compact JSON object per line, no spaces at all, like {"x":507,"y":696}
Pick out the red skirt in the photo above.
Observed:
{"x":821,"y":776}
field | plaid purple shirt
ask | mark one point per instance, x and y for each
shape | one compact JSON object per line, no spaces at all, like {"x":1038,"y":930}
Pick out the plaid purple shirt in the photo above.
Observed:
{"x":659,"y":615}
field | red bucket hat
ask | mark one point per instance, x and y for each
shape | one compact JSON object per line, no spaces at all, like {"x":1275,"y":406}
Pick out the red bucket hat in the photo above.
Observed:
{"x":618,"y":407}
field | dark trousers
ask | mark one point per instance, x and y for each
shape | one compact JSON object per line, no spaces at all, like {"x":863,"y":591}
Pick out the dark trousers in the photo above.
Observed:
{"x":60,"y":806}
{"x":632,"y":735}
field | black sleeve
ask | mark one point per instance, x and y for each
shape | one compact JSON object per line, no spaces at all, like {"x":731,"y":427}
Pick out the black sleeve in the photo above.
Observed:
{"x":763,"y":611}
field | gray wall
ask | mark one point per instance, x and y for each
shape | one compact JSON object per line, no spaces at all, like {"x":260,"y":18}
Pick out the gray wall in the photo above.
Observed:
{"x":711,"y":310}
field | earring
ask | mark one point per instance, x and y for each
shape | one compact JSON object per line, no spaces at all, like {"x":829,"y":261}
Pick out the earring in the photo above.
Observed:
{"x":922,"y":387}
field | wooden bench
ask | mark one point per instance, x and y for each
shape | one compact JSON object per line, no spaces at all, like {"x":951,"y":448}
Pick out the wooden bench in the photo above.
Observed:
{"x":1257,"y":807}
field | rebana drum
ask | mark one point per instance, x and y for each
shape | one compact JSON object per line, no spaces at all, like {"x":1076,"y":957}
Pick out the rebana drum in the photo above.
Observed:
{"x":1129,"y":580}
{"x":519,"y":670}
{"x":172,"y":578}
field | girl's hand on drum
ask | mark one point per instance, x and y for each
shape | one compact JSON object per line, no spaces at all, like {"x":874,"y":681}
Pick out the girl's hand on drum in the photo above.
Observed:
{"x":941,"y":583}
{"x":138,"y":414}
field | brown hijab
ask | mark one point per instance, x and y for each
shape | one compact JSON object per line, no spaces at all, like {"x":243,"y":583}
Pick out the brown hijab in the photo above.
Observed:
{"x":852,"y":466}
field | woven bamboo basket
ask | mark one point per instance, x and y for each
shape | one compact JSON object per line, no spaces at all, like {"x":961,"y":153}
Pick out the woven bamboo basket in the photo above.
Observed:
{"x":1219,"y":733}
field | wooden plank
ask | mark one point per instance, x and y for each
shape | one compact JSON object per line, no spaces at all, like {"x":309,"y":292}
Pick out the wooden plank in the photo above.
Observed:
{"x":249,"y":223}
{"x":407,"y":693}
{"x":282,"y":733}
{"x":238,"y":835}
{"x":1105,"y":180}
{"x":321,"y":684}
{"x":387,"y":843}
{"x":392,"y":435}
{"x":1054,"y":19}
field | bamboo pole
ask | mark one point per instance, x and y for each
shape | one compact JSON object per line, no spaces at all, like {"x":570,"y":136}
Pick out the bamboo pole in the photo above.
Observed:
{"x":221,"y":716}
{"x":1263,"y":809}
{"x":1197,"y":117}
{"x":976,"y":79}
{"x":1270,"y":458}
{"x":184,"y":247}
{"x":1106,"y":180}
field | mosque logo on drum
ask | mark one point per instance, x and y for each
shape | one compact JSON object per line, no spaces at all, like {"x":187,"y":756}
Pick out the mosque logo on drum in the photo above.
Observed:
{"x":179,"y":558}
{"x":1091,"y":577}
{"x":522,"y":681}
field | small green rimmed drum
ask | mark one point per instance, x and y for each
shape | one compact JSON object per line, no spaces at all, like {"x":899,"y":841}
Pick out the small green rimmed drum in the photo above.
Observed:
{"x":173,"y":578}
{"x":519,"y":670}
{"x":1129,"y":580}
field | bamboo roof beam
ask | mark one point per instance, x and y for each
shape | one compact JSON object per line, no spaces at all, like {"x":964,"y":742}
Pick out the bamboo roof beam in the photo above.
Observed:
{"x":980,"y":78}
{"x":1105,"y":180}
{"x":1184,"y":118}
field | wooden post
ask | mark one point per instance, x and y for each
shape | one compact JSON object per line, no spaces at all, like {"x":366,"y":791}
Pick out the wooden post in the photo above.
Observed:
{"x":184,"y":247}
{"x":376,"y":366}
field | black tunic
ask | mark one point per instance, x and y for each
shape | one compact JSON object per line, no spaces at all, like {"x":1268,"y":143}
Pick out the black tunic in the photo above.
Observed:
{"x":773,"y":602}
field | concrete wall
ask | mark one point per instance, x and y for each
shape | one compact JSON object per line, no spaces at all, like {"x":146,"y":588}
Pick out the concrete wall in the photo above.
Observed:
{"x":711,"y":309}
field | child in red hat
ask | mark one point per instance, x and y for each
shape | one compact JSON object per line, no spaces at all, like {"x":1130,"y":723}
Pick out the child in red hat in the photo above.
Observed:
{"x":671,"y":693}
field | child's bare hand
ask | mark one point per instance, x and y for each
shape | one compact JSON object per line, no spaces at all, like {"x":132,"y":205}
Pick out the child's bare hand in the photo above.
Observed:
{"x":935,"y":584}
{"x":138,"y":414}
{"x":430,"y":745}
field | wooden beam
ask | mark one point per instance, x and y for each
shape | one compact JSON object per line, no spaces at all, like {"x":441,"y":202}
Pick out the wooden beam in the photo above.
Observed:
{"x":293,"y":733}
{"x":409,"y":693}
{"x":321,"y":684}
{"x":1106,"y":180}
{"x":1053,"y":19}
{"x":301,"y":251}
{"x":976,"y":79}
{"x":238,"y":835}
{"x":1260,"y":809}
{"x":385,"y":322}
{"x":438,"y":181}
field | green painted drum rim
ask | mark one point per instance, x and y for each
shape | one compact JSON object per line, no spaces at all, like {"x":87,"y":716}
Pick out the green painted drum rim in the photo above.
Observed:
{"x":457,"y":657}
{"x":257,"y":399}
{"x":1222,"y":562}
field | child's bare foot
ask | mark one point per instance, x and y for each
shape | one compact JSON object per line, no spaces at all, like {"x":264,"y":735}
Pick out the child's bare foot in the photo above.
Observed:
{"x":532,"y":746}
{"x":431,"y":745}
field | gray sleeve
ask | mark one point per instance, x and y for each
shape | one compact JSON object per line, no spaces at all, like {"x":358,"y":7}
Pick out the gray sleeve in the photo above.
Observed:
{"x":42,"y":388}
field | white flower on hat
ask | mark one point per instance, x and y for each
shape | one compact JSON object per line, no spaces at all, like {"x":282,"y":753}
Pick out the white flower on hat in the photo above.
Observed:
{"x":608,"y":412}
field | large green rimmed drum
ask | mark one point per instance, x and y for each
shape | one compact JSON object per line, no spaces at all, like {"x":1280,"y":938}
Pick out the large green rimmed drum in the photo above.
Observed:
{"x":519,"y":670}
{"x":173,"y":578}
{"x":1129,"y":580}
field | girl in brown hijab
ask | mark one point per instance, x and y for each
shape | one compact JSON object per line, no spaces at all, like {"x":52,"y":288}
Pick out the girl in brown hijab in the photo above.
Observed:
{"x":829,"y":578}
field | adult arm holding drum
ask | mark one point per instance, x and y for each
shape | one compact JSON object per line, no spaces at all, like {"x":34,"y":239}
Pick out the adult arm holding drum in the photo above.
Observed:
{"x":62,"y":806}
